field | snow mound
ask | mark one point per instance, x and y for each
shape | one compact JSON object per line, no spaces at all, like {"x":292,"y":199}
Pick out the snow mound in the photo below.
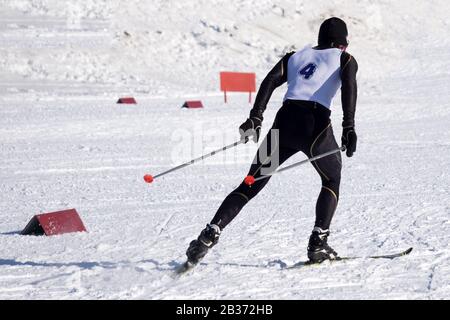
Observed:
{"x":185,"y":44}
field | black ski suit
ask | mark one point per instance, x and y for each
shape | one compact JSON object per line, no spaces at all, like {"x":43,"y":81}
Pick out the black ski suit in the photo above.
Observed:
{"x":302,"y":126}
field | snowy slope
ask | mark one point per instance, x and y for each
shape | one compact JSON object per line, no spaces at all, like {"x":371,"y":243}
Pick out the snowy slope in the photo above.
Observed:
{"x":65,"y":143}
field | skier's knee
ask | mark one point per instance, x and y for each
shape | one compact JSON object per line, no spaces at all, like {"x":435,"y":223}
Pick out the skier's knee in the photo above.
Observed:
{"x":243,"y":197}
{"x":249,"y":192}
{"x":332,"y":185}
{"x":245,"y":192}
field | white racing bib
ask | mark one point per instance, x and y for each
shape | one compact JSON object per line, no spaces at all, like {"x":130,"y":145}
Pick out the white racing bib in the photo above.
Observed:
{"x":314,"y":75}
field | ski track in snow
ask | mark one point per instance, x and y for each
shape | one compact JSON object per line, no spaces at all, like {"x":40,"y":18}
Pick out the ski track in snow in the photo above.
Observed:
{"x":66,"y":144}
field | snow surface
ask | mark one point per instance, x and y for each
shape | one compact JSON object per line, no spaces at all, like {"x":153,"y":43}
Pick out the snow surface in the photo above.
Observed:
{"x":66,"y":144}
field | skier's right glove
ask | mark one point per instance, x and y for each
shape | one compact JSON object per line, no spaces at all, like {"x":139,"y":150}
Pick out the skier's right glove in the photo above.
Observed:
{"x":251,"y":128}
{"x":349,"y":139}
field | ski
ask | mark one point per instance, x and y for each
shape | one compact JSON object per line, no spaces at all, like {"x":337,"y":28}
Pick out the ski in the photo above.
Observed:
{"x":184,"y":267}
{"x":188,"y":266}
{"x":383,"y":256}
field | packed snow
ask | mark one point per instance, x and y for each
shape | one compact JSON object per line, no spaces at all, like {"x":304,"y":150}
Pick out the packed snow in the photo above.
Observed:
{"x":65,"y":143}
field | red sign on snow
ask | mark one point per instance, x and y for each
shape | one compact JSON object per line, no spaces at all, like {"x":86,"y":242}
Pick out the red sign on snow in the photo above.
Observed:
{"x":192,"y":104}
{"x":238,"y":82}
{"x":54,"y":223}
{"x":127,"y":100}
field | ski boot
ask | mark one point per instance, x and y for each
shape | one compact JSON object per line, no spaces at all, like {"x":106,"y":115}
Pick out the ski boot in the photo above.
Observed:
{"x":205,"y":241}
{"x":318,"y":248}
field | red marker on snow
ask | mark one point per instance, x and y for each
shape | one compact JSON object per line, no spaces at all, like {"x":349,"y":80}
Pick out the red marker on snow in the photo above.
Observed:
{"x":249,"y":180}
{"x":148,"y":178}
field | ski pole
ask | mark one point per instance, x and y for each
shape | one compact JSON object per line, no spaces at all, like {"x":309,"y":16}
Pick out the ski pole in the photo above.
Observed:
{"x":149,"y":178}
{"x":249,"y":180}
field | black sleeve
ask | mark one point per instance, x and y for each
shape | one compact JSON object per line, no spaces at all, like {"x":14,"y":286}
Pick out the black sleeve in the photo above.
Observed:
{"x":275,"y":78}
{"x":349,"y":67}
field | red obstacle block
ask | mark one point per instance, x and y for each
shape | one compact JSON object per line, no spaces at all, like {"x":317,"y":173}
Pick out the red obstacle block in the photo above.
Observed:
{"x":53,"y":223}
{"x":192,"y":104}
{"x":127,"y":100}
{"x":238,"y":82}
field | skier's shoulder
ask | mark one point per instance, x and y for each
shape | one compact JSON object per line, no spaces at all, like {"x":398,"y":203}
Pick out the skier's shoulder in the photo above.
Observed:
{"x":297,"y":52}
{"x":347,"y":55}
{"x":289,"y":54}
{"x":285,"y":59}
{"x":348,"y":61}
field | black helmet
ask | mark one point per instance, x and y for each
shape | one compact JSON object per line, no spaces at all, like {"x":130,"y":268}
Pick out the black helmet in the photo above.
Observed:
{"x":333,"y":32}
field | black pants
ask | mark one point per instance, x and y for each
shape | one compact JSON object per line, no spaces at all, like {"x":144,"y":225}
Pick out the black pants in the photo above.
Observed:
{"x":302,"y":126}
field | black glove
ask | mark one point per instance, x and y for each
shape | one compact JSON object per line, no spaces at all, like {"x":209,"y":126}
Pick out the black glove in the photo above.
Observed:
{"x":251,"y":128}
{"x":349,"y":139}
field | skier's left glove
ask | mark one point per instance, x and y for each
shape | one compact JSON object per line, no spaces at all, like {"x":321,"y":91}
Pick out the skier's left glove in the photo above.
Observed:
{"x":251,"y":128}
{"x":349,"y":139}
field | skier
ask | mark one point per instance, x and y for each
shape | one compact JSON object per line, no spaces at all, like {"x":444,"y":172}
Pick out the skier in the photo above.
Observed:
{"x":303,"y":122}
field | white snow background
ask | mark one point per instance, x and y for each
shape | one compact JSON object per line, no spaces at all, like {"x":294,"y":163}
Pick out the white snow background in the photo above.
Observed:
{"x":65,"y":143}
